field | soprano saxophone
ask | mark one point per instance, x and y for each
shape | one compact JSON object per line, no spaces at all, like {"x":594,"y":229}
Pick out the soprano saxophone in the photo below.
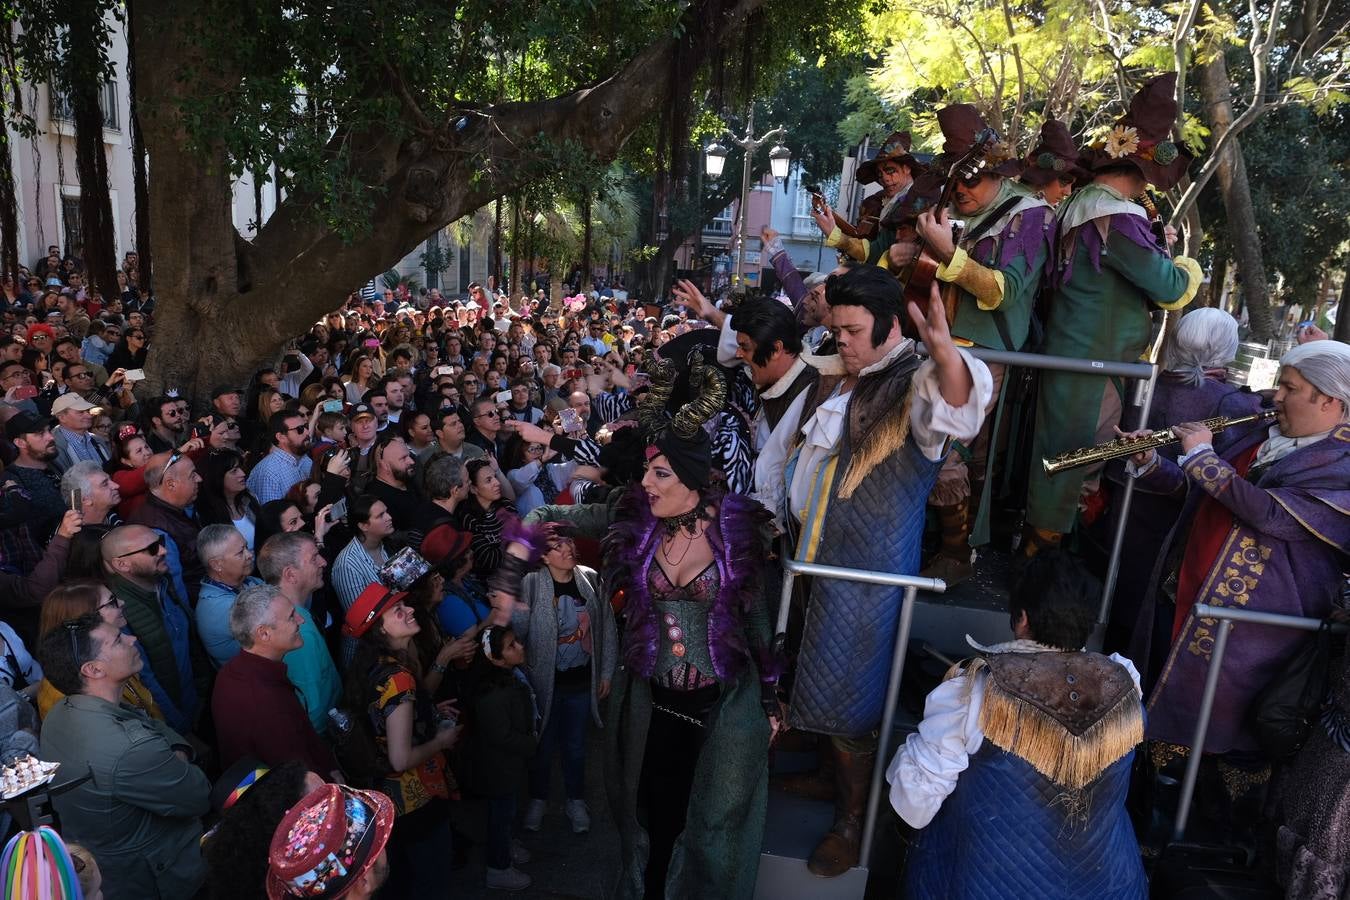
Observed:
{"x":1101,"y":453}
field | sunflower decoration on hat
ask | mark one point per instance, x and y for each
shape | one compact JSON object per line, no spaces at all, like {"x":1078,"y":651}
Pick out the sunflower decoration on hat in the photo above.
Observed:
{"x":1142,"y":138}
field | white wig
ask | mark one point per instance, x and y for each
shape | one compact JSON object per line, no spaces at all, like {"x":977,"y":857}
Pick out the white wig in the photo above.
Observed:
{"x":1326,"y":366}
{"x":1205,"y":338}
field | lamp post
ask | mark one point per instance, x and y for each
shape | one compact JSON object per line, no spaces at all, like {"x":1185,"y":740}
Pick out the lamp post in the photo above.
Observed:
{"x":715,"y":160}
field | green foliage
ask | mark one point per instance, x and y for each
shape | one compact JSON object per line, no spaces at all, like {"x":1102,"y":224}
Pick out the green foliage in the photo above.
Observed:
{"x":1298,"y":165}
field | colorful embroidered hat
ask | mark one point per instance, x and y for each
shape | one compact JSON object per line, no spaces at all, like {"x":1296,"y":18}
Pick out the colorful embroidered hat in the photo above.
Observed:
{"x":962,"y":126}
{"x":1054,"y":156}
{"x":1142,"y":138}
{"x":895,"y":149}
{"x":327,"y":841}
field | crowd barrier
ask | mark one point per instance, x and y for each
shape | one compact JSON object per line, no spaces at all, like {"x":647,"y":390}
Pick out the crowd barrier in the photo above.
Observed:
{"x":912,"y":585}
{"x":1144,"y":373}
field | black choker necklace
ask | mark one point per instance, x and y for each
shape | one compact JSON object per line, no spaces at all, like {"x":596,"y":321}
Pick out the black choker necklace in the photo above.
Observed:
{"x":686,"y":520}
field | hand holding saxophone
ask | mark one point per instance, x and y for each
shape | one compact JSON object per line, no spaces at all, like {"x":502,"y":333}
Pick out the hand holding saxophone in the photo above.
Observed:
{"x":1143,"y":457}
{"x":1191,"y":435}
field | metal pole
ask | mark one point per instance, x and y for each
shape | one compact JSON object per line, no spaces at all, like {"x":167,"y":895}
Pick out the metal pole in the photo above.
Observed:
{"x":1098,"y":367}
{"x":887,"y":723}
{"x":1122,"y":521}
{"x":1201,"y":728}
{"x":784,"y":601}
{"x":750,"y":147}
{"x":1255,"y":617}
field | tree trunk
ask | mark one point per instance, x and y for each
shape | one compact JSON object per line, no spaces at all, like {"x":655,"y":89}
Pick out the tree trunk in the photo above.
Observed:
{"x":496,"y":246}
{"x":141,"y":187}
{"x":1218,"y":272}
{"x":222,"y":312}
{"x":585,"y":278}
{"x":9,"y":210}
{"x":1343,"y":311}
{"x":91,"y":161}
{"x":515,"y":247}
{"x":1237,"y":199}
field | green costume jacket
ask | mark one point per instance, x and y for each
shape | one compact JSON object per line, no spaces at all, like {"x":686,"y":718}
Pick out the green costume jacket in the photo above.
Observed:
{"x":1109,"y":273}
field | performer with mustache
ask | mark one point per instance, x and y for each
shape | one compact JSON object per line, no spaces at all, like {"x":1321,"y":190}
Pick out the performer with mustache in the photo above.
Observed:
{"x":1265,"y":527}
{"x":895,"y":170}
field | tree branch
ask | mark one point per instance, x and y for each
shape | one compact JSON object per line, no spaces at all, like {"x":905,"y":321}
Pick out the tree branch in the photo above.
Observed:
{"x":1021,"y":78}
{"x":427,"y":185}
{"x":1259,"y":47}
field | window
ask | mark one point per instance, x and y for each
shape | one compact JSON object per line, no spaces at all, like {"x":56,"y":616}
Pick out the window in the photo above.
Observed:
{"x":464,"y":278}
{"x":107,"y":101}
{"x":801,"y":213}
{"x":721,"y":223}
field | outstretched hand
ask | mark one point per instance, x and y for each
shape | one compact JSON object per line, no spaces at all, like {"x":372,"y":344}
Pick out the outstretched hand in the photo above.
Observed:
{"x":931,"y":323}
{"x":954,"y":380}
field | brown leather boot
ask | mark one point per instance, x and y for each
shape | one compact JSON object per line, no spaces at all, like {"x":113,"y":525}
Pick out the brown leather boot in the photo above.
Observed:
{"x":1034,"y":540}
{"x":837,"y":852}
{"x":952,"y":563}
{"x":817,"y":784}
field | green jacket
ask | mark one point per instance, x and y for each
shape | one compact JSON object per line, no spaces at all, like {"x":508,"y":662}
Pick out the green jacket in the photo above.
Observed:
{"x":140,"y":811}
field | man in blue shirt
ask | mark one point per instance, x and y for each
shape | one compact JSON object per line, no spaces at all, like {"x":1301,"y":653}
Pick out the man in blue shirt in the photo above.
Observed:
{"x":287,"y":464}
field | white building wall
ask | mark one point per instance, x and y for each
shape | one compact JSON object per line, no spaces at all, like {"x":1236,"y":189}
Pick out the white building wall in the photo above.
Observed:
{"x":45,"y":171}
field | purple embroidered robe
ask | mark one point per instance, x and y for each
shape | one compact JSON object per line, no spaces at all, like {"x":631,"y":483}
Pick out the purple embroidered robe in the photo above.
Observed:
{"x":1285,"y":552}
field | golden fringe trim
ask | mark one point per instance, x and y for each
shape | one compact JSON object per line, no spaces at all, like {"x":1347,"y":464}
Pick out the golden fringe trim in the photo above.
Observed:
{"x":886,"y":438}
{"x":1014,"y":725}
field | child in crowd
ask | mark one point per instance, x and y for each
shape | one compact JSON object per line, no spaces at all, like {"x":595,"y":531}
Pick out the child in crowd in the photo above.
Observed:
{"x":506,"y":722}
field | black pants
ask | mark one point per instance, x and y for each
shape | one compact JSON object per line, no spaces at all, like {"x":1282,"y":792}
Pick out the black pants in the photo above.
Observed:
{"x":673,"y":746}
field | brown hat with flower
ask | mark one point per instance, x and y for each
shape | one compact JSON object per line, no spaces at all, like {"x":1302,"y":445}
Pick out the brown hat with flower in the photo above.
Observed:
{"x":895,"y":149}
{"x":1142,"y":138}
{"x":962,"y":125}
{"x":327,"y":842}
{"x":1054,"y":156}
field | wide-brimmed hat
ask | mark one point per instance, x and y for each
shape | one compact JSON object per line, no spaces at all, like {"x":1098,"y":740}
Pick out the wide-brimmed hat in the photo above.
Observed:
{"x":1054,"y":156}
{"x":1142,"y":138}
{"x":962,"y":125}
{"x":895,"y":149}
{"x":369,"y":605}
{"x":327,"y":842}
{"x":444,"y":546}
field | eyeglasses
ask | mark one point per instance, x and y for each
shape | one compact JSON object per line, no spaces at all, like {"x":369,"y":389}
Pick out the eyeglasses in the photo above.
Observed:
{"x":488,"y":414}
{"x":72,"y":629}
{"x":152,"y":549}
{"x":114,"y":601}
{"x":169,"y":465}
{"x":79,"y":375}
{"x":298,"y":428}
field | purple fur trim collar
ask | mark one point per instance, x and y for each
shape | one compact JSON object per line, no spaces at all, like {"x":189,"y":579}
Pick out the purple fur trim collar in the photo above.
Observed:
{"x":630,"y":552}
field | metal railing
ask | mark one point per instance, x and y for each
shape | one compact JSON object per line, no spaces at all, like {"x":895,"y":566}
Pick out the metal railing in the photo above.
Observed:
{"x":1227,"y":618}
{"x":1146,"y":373}
{"x":912,"y":585}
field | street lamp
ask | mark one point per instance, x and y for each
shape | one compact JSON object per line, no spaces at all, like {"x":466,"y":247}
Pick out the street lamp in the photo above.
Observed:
{"x":715,"y":159}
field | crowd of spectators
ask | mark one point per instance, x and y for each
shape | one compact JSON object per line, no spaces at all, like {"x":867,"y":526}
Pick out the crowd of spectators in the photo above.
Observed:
{"x":212,"y":610}
{"x":259,"y":618}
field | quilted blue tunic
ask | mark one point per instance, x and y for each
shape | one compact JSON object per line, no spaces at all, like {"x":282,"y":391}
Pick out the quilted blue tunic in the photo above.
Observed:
{"x":849,"y":636}
{"x":1008,"y":833}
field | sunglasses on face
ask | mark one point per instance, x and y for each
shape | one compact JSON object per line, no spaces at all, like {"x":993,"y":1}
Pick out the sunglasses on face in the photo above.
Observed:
{"x":152,"y":549}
